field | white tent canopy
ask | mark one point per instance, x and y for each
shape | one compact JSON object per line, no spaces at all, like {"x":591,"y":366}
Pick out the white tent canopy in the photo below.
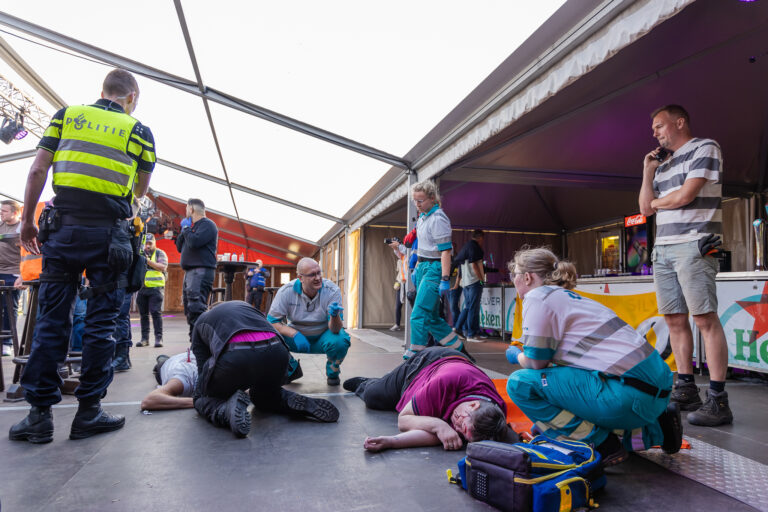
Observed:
{"x":279,"y":114}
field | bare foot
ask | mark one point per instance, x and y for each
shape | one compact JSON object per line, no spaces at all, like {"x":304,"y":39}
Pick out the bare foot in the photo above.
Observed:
{"x":378,"y":444}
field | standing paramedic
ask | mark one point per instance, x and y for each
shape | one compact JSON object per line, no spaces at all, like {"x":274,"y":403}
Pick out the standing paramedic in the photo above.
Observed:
{"x":433,"y":271}
{"x":197,"y":244}
{"x":684,"y":190}
{"x":150,"y":298}
{"x":101,"y":157}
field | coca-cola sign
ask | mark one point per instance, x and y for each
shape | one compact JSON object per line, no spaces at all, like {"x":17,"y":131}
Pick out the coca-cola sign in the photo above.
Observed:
{"x":634,"y":220}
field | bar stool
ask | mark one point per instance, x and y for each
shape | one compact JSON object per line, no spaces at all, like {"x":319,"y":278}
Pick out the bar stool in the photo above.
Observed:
{"x":23,"y":347}
{"x":216,"y":295}
{"x":7,"y":300}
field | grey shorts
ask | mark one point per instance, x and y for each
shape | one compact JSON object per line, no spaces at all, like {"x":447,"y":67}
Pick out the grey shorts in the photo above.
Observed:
{"x":684,"y":279}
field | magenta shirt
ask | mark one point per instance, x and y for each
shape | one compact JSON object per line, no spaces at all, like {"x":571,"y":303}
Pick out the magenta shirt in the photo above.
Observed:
{"x":245,"y":336}
{"x":446,"y":383}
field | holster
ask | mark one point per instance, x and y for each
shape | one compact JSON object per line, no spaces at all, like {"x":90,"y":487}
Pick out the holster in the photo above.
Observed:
{"x":120,"y":254}
{"x":48,"y":222}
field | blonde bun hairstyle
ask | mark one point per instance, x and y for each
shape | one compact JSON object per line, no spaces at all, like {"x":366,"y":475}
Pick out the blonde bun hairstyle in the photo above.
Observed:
{"x":543,"y":262}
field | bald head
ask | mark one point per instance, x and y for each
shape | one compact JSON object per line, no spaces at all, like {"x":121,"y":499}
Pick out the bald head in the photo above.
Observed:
{"x":310,"y":275}
{"x":305,"y":264}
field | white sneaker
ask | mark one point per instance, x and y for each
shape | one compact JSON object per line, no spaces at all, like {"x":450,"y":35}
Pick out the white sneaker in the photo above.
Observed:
{"x":476,"y":339}
{"x":394,"y":328}
{"x":8,"y":350}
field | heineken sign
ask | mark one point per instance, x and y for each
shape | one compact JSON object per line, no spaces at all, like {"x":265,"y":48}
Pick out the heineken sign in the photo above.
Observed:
{"x":743,"y":311}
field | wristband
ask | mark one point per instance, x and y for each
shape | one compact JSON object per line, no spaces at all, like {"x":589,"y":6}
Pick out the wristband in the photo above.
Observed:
{"x":445,"y":278}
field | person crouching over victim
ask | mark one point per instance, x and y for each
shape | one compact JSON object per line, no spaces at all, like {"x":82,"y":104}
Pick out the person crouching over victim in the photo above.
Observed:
{"x":236,"y":348}
{"x":606,"y":377}
{"x":311,"y":306}
{"x":442,"y":398}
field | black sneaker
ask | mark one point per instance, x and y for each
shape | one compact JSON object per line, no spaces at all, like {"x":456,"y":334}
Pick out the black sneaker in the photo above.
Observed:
{"x":315,"y":408}
{"x":334,"y":381}
{"x":612,"y":451}
{"x":715,"y":411}
{"x":672,"y":427}
{"x":353,"y":383}
{"x":91,"y":419}
{"x":142,"y":343}
{"x":36,"y":428}
{"x":158,"y":343}
{"x":687,"y":395}
{"x":237,"y":413}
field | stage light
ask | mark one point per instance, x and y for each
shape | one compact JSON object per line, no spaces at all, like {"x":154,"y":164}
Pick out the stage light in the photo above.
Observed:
{"x":12,"y":129}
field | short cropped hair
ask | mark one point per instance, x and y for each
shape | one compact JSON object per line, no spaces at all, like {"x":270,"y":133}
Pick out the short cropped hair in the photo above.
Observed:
{"x":478,"y":233}
{"x":488,"y":422}
{"x":15,"y":206}
{"x":676,"y":111}
{"x":197,"y":205}
{"x":119,"y":82}
{"x":429,"y":188}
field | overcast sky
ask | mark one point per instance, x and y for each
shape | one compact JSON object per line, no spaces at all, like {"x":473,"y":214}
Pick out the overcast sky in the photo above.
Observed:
{"x":382,"y":74}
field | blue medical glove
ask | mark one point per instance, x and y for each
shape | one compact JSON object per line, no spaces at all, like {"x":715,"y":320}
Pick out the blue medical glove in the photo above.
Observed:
{"x":334,"y":309}
{"x":301,"y":342}
{"x":444,"y":286}
{"x":186,"y":222}
{"x":512,"y":353}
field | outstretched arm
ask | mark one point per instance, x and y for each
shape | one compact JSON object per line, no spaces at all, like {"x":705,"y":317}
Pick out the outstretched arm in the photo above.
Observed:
{"x":416,"y":431}
{"x":167,"y":397}
{"x":410,"y":439}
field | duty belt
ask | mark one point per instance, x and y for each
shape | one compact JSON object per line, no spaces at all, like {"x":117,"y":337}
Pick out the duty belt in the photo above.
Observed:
{"x":422,"y":258}
{"x":72,"y":220}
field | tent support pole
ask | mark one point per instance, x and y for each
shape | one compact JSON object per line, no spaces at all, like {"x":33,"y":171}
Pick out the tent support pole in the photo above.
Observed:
{"x":411,"y":213}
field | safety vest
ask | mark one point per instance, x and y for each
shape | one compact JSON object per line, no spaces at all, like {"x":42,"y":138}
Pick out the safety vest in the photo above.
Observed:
{"x":94,"y":151}
{"x":154,"y":278}
{"x":32,"y":264}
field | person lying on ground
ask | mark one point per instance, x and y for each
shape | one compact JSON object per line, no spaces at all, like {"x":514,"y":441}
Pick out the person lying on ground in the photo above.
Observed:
{"x":237,"y":348}
{"x":586,"y":373}
{"x":443,"y":399}
{"x":177,"y":377}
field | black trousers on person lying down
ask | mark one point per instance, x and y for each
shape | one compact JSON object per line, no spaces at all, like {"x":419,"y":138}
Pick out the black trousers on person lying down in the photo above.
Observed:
{"x":384,"y":393}
{"x":258,"y":366}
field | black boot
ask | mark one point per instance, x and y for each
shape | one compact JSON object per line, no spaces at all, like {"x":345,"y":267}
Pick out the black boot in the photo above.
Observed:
{"x":122,"y":361}
{"x":91,"y":419}
{"x":36,"y":428}
{"x":234,"y":414}
{"x":307,"y":407}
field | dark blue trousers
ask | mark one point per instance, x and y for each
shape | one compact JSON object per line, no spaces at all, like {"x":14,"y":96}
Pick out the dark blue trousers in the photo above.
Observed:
{"x":469,"y":319}
{"x":70,"y":250}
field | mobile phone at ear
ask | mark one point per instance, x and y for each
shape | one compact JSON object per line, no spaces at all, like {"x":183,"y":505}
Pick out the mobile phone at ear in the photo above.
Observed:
{"x":662,"y":155}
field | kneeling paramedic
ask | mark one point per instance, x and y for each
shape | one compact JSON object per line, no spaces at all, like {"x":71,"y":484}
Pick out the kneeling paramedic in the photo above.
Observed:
{"x":236,"y":348}
{"x":101,"y":156}
{"x":312,"y":308}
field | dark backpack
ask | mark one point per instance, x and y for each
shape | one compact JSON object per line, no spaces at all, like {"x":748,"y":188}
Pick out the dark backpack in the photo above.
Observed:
{"x":543,"y":475}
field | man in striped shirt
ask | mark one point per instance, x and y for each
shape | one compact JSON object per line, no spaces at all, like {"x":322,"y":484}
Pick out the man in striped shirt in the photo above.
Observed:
{"x":682,"y":185}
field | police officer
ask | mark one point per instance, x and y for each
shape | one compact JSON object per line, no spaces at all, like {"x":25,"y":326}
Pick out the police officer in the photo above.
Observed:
{"x":101,"y":157}
{"x":150,"y":297}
